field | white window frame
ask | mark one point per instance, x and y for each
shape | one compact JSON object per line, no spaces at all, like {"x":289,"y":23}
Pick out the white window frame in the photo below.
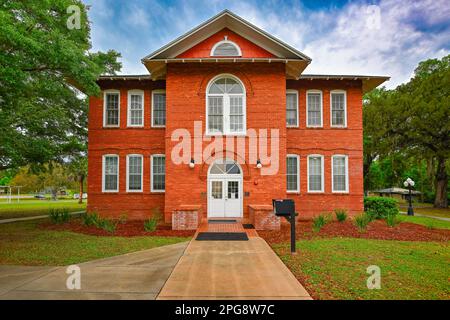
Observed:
{"x":151,"y":173}
{"x":104,"y":109}
{"x":292,"y":91}
{"x":321,"y":108}
{"x":135,"y":92}
{"x":156,"y":91}
{"x":346,"y":173}
{"x":298,"y":173}
{"x":142,"y":172}
{"x":345,"y":109}
{"x":226,"y":108}
{"x":222,"y":42}
{"x":322,"y":173}
{"x":103,"y":172}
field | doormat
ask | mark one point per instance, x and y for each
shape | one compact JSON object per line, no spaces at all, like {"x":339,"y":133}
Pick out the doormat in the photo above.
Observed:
{"x":221,"y":221}
{"x":248,"y":226}
{"x":222,"y":236}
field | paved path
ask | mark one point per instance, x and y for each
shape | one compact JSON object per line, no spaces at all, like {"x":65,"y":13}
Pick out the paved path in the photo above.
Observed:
{"x":427,"y":216}
{"x":34,"y":217}
{"x":137,"y":275}
{"x":231,"y":270}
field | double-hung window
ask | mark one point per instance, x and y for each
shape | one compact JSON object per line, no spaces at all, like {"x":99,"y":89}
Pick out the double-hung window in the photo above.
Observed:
{"x":314,"y":108}
{"x":292,"y":173}
{"x":291,"y":108}
{"x":158,"y":108}
{"x":135,"y":108}
{"x":110,"y":180}
{"x":158,"y":173}
{"x":315,"y":173}
{"x":111,"y":108}
{"x":225,"y":106}
{"x":339,"y":173}
{"x":134,"y":172}
{"x":338,"y":108}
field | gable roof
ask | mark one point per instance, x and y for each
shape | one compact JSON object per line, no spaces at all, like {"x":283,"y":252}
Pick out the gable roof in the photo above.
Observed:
{"x":235,"y":23}
{"x":295,"y":61}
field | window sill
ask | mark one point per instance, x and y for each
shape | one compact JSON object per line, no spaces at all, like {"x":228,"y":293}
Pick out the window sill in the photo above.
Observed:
{"x":244,"y":134}
{"x":338,"y":127}
{"x":293,"y":192}
{"x":314,"y":127}
{"x":158,"y":127}
{"x":111,"y":127}
{"x":157,"y":191}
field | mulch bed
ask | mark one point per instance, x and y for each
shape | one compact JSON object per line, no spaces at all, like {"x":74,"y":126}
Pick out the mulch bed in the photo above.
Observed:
{"x":378,"y":229}
{"x":132,"y":228}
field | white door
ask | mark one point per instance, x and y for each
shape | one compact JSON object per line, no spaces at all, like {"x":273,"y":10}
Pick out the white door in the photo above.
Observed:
{"x":233,"y":199}
{"x":216,"y":198}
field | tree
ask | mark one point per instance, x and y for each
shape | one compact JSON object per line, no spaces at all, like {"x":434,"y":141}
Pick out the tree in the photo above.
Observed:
{"x":414,"y":120}
{"x":43,"y":65}
{"x":78,"y":170}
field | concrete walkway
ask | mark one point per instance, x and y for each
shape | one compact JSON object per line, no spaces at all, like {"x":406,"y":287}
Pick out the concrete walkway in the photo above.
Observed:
{"x":231,"y":270}
{"x":34,"y":217}
{"x":427,"y":216}
{"x":137,"y":275}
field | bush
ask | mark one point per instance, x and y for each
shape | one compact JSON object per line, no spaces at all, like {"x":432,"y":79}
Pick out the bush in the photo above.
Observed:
{"x":107,"y":225}
{"x":380,"y":207}
{"x":90,"y":219}
{"x":392,"y":220}
{"x":59,"y":216}
{"x":362,"y":221}
{"x":341,"y":214}
{"x":320,"y":221}
{"x":151,"y":224}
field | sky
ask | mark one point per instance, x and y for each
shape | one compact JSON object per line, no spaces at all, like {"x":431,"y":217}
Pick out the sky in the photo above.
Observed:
{"x":385,"y":37}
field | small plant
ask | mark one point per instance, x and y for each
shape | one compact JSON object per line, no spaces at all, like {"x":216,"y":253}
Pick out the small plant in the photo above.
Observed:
{"x":107,"y":225}
{"x":151,"y":224}
{"x":319,"y":222}
{"x":123,"y":218}
{"x":58,"y":216}
{"x":362,"y":221}
{"x":392,"y":220}
{"x":341,"y":214}
{"x":90,"y":219}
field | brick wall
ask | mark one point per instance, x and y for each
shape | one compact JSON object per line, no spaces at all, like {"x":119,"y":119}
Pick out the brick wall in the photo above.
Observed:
{"x":263,"y":218}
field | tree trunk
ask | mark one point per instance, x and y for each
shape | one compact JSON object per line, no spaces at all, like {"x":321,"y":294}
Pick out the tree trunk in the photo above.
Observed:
{"x":81,"y":181}
{"x":54,"y":194}
{"x":440,"y":201}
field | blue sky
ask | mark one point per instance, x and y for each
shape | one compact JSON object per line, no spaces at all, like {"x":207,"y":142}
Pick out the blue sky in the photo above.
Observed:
{"x":386,"y":37}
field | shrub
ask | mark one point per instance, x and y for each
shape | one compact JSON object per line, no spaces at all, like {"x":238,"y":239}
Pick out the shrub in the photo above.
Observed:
{"x":150,"y":225}
{"x":90,"y":219}
{"x":362,"y":221}
{"x":320,"y":221}
{"x":58,"y":216}
{"x":107,"y":225}
{"x":392,"y":220}
{"x":341,"y":214}
{"x":380,"y":207}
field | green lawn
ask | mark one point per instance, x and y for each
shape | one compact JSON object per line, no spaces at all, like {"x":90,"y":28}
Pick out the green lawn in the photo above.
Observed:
{"x":425,"y":221}
{"x":28,"y":208}
{"x":23,"y":243}
{"x":427,"y":209}
{"x":336,"y":268}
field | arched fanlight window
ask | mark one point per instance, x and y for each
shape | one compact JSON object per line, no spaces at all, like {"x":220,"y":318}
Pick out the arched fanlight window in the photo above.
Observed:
{"x":225,"y":106}
{"x":224,"y":166}
{"x":226,"y":48}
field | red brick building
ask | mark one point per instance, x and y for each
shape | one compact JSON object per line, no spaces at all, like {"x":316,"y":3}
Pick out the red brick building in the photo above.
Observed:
{"x":226,"y":121}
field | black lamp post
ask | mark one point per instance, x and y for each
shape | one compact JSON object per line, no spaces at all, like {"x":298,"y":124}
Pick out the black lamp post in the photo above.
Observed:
{"x":409,"y":183}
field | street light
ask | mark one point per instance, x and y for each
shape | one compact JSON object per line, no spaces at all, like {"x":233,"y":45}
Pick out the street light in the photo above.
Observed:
{"x":409,"y":183}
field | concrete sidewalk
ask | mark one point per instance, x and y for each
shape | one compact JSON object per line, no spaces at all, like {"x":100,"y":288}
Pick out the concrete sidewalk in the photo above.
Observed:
{"x":231,"y":270}
{"x":35,"y":217}
{"x":137,"y":275}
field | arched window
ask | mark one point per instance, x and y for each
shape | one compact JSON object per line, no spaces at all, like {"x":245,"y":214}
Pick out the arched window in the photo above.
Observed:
{"x":225,"y":166}
{"x":226,"y":48}
{"x":225,"y":106}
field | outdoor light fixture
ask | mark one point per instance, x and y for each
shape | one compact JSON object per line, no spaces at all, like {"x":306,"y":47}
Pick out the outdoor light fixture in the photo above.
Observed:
{"x":409,"y":183}
{"x":192,"y":164}
{"x":258,"y":164}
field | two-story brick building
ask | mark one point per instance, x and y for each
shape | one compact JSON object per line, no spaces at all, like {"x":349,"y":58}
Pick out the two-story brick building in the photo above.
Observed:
{"x":224,"y":122}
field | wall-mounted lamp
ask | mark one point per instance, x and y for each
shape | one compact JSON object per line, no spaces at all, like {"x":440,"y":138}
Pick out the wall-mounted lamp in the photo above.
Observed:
{"x":192,"y":164}
{"x":258,"y":164}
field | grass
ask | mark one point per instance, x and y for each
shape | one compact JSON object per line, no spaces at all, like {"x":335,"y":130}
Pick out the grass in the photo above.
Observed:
{"x":427,"y":209}
{"x":336,"y":268}
{"x":29,"y":208}
{"x":23,"y":243}
{"x":425,"y":221}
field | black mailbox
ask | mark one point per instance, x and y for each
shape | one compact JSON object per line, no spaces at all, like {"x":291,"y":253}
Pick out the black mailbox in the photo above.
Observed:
{"x":283,"y":207}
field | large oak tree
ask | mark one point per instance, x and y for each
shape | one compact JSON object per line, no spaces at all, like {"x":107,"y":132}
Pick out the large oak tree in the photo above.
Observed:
{"x":43,"y":63}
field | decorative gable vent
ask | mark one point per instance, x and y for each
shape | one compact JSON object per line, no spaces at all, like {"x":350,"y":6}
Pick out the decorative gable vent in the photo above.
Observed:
{"x":226,"y":48}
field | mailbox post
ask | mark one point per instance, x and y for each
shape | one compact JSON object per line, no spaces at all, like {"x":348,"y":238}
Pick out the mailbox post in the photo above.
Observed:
{"x":286,"y":208}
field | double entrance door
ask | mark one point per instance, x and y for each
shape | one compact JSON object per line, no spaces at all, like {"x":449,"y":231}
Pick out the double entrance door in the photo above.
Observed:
{"x":225,"y":198}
